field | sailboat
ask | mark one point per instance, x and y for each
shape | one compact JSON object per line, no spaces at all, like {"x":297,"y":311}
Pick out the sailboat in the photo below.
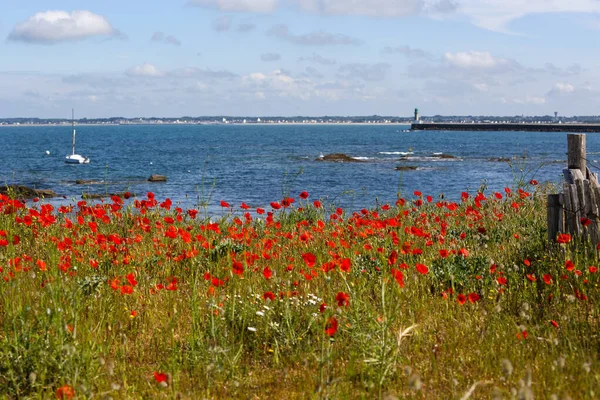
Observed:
{"x":76,"y":158}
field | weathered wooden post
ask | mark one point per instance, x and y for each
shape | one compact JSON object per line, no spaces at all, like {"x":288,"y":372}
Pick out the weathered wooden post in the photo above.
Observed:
{"x":554,"y":211}
{"x":577,"y":153}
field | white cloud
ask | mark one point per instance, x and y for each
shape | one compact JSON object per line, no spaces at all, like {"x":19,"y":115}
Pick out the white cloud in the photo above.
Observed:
{"x":315,"y":38}
{"x":480,"y":87}
{"x":159,"y":37}
{"x":145,"y":70}
{"x":58,"y":26}
{"x":496,"y":15}
{"x":257,"y":6}
{"x":535,"y":100}
{"x":473,"y":59}
{"x":377,"y":8}
{"x":564,"y":87}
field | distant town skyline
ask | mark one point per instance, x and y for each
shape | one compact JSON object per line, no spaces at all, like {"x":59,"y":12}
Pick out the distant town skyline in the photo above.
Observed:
{"x":298,"y":57}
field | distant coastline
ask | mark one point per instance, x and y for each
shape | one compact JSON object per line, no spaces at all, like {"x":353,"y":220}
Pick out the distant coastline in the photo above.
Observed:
{"x":545,"y":120}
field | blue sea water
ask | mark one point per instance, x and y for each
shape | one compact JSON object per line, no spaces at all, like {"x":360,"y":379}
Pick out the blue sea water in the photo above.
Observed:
{"x":258,"y":164}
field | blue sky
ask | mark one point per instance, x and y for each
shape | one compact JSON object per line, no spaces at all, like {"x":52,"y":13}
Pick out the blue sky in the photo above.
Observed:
{"x":298,"y":57}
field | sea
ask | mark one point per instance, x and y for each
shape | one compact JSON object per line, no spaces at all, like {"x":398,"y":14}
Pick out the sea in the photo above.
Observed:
{"x":258,"y":164}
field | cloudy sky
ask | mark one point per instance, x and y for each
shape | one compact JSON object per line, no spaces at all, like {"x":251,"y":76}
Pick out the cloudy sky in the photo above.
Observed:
{"x":298,"y":57}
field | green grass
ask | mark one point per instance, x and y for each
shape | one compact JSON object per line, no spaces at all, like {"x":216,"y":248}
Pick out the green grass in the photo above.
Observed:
{"x":212,"y":333}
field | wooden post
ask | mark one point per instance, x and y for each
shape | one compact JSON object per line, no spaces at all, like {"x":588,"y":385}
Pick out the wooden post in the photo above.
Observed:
{"x":577,"y":153}
{"x":554,"y":210}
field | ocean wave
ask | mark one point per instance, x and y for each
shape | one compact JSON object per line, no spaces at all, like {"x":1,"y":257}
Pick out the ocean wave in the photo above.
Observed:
{"x":364,"y":158}
{"x":430,"y":159}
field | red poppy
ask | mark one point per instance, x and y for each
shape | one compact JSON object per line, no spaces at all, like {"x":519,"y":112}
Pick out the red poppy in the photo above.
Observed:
{"x":126,"y":289}
{"x":160,"y":377}
{"x":422,"y":268}
{"x":585,"y":221}
{"x":345,"y":265}
{"x":269,"y":296}
{"x":461,"y":299}
{"x":531,"y":277}
{"x":41,"y":264}
{"x":398,"y":276}
{"x":317,"y":204}
{"x":244,"y":206}
{"x":275,"y":205}
{"x":172,"y":285}
{"x":502,"y":280}
{"x":131,"y":279}
{"x":593,"y":269}
{"x":303,"y":195}
{"x":287,"y":202}
{"x":267,"y":273}
{"x":331,"y":326}
{"x":225,"y":204}
{"x":554,"y":323}
{"x":527,"y":262}
{"x":238,"y":268}
{"x":533,"y":182}
{"x":343,"y":299}
{"x":563,"y":238}
{"x":393,"y":258}
{"x":569,"y":266}
{"x":322,"y":307}
{"x":417,"y":193}
{"x":474,"y":297}
{"x":65,"y":392}
{"x":309,"y":259}
{"x":548,"y":279}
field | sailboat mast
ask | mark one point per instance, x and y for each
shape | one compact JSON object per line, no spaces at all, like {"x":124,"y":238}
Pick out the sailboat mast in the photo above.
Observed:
{"x":73,"y":121}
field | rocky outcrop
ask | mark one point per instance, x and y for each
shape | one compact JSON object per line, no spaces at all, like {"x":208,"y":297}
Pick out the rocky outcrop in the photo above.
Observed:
{"x":338,"y":157}
{"x":157,"y":178}
{"x":406,"y":168}
{"x":25,"y":192}
{"x":92,"y":196}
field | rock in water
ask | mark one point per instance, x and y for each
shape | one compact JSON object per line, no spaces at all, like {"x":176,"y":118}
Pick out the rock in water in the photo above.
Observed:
{"x":24,"y":192}
{"x":338,"y":157}
{"x":157,"y":178}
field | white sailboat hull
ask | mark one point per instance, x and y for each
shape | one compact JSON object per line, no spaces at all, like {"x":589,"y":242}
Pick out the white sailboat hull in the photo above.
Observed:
{"x":77,"y":159}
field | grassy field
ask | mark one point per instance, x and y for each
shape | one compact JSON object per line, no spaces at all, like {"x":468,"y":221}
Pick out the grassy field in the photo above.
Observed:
{"x":420,"y":299}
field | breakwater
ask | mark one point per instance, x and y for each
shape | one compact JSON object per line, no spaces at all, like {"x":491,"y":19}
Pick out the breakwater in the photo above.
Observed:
{"x":432,"y":126}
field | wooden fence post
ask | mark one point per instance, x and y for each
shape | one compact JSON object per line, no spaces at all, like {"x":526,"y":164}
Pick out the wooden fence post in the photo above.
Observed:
{"x":577,"y":153}
{"x":554,"y":210}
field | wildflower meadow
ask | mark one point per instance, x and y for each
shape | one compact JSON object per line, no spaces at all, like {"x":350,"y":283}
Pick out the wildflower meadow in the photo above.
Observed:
{"x":426,"y":298}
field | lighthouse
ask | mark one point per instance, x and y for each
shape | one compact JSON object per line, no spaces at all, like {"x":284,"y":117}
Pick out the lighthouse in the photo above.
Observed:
{"x":417,"y":117}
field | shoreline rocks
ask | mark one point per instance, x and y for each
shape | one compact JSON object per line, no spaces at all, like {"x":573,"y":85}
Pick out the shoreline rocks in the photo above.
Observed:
{"x":25,"y":192}
{"x":338,"y":157}
{"x":406,"y":168}
{"x":95,"y":196}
